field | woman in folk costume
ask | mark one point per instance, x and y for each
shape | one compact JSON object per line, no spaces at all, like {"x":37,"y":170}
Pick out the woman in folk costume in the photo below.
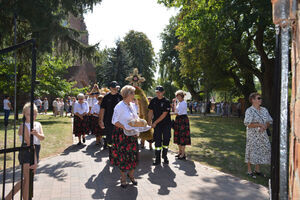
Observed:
{"x":81,"y":110}
{"x":182,"y":135}
{"x":92,"y":100}
{"x":95,"y":127}
{"x":127,"y":127}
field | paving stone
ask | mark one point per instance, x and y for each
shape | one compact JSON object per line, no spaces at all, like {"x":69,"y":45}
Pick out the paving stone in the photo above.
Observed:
{"x":83,"y":172}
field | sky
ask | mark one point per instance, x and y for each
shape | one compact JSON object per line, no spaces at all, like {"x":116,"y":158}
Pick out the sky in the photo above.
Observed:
{"x":112,"y":19}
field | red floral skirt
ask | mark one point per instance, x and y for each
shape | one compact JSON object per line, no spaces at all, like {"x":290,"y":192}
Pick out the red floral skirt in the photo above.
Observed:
{"x":94,"y":125}
{"x":124,"y":150}
{"x":182,"y":134}
{"x":80,"y":126}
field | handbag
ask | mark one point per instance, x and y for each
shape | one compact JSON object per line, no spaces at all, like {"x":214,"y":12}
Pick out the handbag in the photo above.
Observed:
{"x":268,"y":130}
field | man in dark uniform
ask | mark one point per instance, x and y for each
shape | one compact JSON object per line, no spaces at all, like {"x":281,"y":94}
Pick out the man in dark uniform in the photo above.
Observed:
{"x":159,"y":114}
{"x":107,"y":106}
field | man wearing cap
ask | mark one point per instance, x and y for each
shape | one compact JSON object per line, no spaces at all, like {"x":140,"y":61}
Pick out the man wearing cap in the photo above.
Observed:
{"x":108,"y":104}
{"x":159,"y":114}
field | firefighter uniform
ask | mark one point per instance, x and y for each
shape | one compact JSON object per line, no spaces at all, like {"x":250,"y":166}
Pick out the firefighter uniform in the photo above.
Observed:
{"x":162,"y":131}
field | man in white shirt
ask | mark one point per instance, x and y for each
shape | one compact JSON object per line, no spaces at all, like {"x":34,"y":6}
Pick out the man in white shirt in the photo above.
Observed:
{"x":6,"y":107}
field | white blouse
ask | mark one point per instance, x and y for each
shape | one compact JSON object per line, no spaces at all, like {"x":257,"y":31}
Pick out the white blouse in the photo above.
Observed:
{"x":95,"y":109}
{"x":38,"y":127}
{"x":92,"y":101}
{"x":181,"y":108}
{"x":81,"y":108}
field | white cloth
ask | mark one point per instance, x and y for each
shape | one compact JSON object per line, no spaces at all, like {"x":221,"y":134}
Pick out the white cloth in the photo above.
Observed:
{"x":5,"y":104}
{"x":46,"y":104}
{"x":36,"y":126}
{"x":81,"y":108}
{"x":61,"y":105}
{"x":123,"y":114}
{"x":181,"y":108}
{"x":95,"y":109}
{"x":55,"y":104}
{"x":92,"y":101}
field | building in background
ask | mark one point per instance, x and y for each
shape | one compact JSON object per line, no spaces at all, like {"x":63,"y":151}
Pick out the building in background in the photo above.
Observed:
{"x":83,"y":72}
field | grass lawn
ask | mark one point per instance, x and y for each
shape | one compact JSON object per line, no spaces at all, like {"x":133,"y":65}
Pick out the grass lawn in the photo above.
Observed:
{"x":58,"y":136}
{"x":220,"y":143}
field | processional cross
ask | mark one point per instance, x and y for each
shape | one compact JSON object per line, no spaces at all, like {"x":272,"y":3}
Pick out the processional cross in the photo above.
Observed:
{"x":135,"y":78}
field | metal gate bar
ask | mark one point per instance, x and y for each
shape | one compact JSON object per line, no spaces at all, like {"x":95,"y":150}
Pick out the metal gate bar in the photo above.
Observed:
{"x":31,"y":147}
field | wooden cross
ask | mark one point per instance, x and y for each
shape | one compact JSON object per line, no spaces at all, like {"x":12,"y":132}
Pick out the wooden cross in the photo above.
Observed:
{"x":135,"y":78}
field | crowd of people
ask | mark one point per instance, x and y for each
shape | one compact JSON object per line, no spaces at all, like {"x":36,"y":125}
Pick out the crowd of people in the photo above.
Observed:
{"x":108,"y":114}
{"x":224,"y":109}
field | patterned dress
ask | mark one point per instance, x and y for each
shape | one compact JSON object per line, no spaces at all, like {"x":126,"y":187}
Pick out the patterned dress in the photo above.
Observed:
{"x":80,"y":127}
{"x":124,"y":150}
{"x":95,"y":128}
{"x":182,"y":134}
{"x":258,"y":147}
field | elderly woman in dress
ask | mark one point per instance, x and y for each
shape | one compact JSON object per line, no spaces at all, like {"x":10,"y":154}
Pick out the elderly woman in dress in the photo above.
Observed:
{"x":81,"y":110}
{"x":258,"y":147}
{"x":124,"y":149}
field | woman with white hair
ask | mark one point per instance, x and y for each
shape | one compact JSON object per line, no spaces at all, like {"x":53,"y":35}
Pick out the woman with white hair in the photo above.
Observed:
{"x":124,"y":148}
{"x":81,"y":110}
{"x":182,"y":135}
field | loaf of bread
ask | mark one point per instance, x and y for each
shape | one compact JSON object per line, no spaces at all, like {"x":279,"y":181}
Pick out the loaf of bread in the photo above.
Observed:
{"x":138,"y":123}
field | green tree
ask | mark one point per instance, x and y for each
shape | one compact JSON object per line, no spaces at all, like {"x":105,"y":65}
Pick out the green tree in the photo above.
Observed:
{"x":239,"y":33}
{"x":44,"y":20}
{"x":141,"y":56}
{"x":50,"y":74}
{"x":113,"y":65}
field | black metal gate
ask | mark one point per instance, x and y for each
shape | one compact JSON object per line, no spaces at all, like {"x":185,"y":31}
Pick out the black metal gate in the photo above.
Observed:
{"x":16,"y":149}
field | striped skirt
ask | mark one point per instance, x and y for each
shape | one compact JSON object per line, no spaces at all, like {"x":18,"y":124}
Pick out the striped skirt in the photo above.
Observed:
{"x":182,"y":134}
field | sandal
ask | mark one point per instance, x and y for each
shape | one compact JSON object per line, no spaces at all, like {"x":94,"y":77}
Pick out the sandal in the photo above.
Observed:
{"x":177,"y":156}
{"x":182,"y":157}
{"x":251,"y":174}
{"x":134,"y":182}
{"x":259,"y":174}
{"x":123,"y":183}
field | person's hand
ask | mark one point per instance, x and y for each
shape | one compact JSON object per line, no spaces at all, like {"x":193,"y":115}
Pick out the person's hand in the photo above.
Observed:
{"x":101,"y":125}
{"x":34,"y":132}
{"x":153,"y":125}
{"x":33,"y":167}
{"x":262,"y":128}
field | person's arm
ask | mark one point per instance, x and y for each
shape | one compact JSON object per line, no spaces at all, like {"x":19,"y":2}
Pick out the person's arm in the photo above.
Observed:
{"x":9,"y":105}
{"x":119,"y":125}
{"x":26,"y":134}
{"x":161,"y":117}
{"x":150,"y":116}
{"x":101,"y":115}
{"x":40,"y":135}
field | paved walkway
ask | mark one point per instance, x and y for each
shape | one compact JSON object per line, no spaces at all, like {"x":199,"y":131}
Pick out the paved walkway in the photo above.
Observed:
{"x":83,"y":172}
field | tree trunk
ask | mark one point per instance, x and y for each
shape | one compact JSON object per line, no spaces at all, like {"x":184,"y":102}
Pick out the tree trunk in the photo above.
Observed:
{"x":267,"y":88}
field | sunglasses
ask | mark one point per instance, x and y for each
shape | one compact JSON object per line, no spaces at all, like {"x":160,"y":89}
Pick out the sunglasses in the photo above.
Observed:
{"x":258,"y":98}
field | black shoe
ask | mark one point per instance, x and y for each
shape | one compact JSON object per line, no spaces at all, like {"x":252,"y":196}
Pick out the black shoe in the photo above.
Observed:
{"x":177,"y":156}
{"x":157,"y":162}
{"x":251,"y":175}
{"x":182,"y":157}
{"x":134,"y":182}
{"x":123,"y":184}
{"x":166,"y":161}
{"x":79,"y":143}
{"x":83,"y":140}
